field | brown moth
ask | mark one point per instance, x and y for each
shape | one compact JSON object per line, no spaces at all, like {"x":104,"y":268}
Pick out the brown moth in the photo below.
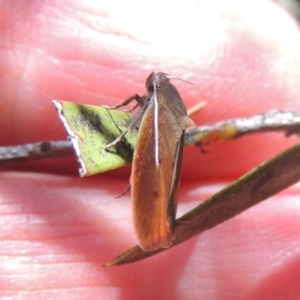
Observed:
{"x":156,"y":167}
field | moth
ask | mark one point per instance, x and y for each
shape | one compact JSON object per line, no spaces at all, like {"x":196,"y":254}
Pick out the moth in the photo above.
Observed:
{"x":162,"y":120}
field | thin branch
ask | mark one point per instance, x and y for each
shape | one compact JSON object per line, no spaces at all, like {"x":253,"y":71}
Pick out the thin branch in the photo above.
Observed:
{"x":257,"y":185}
{"x":286,"y":121}
{"x":35,"y":151}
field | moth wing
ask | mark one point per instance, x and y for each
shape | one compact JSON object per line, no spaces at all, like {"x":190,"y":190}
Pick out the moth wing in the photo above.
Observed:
{"x":155,"y":189}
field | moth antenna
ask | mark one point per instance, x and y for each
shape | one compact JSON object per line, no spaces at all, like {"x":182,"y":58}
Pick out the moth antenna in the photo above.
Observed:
{"x":171,"y":77}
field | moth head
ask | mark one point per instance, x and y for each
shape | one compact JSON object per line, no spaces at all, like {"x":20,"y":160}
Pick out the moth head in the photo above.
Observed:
{"x":158,"y":79}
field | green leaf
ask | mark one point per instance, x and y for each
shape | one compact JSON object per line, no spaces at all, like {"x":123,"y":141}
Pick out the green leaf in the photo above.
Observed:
{"x":90,"y":128}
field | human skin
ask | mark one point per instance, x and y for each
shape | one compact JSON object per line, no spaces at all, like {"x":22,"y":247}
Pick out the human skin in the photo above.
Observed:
{"x":57,"y":230}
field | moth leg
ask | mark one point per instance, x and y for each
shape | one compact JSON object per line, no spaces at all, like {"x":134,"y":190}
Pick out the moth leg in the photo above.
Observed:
{"x":131,"y":110}
{"x":136,"y":97}
{"x":117,"y":140}
{"x":125,"y":192}
{"x":139,"y":101}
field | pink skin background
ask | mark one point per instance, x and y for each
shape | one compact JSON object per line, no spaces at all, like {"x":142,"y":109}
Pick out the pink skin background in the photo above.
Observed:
{"x":57,"y":230}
